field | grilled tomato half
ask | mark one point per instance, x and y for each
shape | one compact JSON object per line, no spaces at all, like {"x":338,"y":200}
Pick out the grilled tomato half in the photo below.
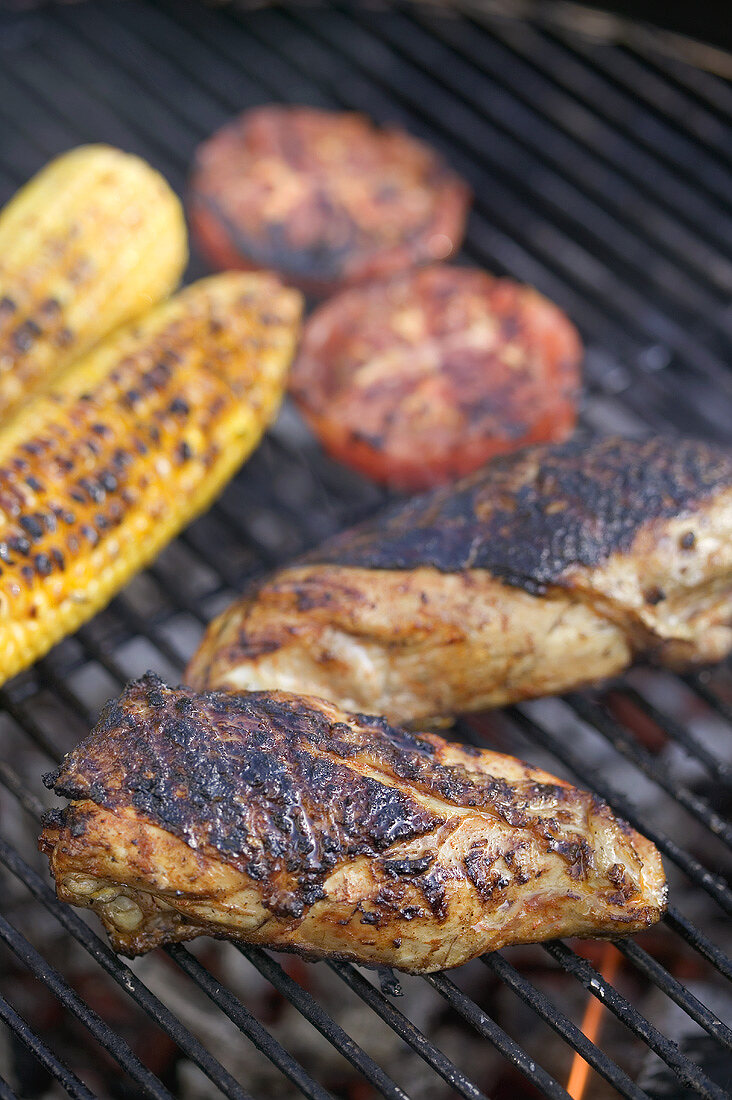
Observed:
{"x":324,"y":198}
{"x":417,"y":380}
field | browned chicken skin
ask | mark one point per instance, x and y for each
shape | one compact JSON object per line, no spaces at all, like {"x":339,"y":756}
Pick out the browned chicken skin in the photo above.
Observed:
{"x":280,"y":820}
{"x":547,"y":569}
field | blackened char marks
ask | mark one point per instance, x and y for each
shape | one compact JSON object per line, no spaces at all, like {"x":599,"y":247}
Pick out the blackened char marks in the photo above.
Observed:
{"x":396,"y":736}
{"x":278,"y":788}
{"x":528,"y":518}
{"x":484,"y":877}
{"x":273,"y":249}
{"x":237,"y":775}
{"x":275,"y":188}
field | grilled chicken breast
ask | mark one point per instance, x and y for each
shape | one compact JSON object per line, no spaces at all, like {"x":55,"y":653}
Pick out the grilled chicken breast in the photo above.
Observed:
{"x":550,"y":568}
{"x":281,"y":820}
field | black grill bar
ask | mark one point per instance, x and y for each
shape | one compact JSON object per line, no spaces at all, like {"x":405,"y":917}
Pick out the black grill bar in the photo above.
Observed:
{"x":699,"y":86}
{"x":689,"y":1074}
{"x":6,"y":1093}
{"x":563,"y":1026}
{"x":27,"y":723}
{"x":122,"y":974}
{"x":667,"y":137}
{"x":690,"y":233}
{"x":599,"y":115}
{"x":17,"y":787}
{"x":600,"y":720}
{"x":594,"y":193}
{"x":696,"y":939}
{"x":86,"y":715}
{"x":311,"y":1010}
{"x":135,"y":623}
{"x":485,"y":1026}
{"x":716,"y":768}
{"x":148,"y":1083}
{"x":700,"y":683}
{"x":101,"y":654}
{"x":232,"y":1007}
{"x":70,"y":1082}
{"x":399,"y":1023}
{"x":673,"y":989}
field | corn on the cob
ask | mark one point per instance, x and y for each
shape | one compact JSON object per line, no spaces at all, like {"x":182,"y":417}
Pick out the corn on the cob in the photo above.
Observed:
{"x":98,"y":474}
{"x":93,"y":240}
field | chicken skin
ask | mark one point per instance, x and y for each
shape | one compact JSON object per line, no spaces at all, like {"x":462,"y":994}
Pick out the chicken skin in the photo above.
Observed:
{"x":550,"y":568}
{"x":280,"y":820}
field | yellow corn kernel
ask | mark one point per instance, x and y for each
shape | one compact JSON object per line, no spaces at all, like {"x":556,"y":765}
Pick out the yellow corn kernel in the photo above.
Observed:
{"x":132,"y":442}
{"x":95,"y":239}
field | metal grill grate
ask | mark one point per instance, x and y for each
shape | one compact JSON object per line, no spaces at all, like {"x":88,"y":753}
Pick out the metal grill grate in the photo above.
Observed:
{"x":602,"y":174}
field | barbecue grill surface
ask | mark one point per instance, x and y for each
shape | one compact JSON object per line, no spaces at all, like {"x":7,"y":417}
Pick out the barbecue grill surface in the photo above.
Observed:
{"x":602,"y":171}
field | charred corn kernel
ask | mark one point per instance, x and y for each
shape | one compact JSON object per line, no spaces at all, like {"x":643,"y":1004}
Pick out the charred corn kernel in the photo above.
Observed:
{"x":100,"y":472}
{"x":93,"y":240}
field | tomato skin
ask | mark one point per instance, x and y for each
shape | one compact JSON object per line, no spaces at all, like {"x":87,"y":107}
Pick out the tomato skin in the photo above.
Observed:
{"x":418,"y":380}
{"x":212,"y":240}
{"x":326,"y":199}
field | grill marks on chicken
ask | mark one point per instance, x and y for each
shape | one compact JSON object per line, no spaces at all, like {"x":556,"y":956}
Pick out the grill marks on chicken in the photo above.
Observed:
{"x":279,"y":819}
{"x":547,"y":569}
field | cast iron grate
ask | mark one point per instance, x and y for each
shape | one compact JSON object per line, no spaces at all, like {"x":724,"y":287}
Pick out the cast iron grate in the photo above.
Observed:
{"x":602,"y":174}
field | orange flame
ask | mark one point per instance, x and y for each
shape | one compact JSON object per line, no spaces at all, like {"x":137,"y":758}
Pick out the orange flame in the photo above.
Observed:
{"x":591,"y":1024}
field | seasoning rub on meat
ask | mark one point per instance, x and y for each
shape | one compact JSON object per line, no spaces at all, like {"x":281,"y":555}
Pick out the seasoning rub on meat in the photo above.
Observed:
{"x":281,"y":820}
{"x":550,"y":568}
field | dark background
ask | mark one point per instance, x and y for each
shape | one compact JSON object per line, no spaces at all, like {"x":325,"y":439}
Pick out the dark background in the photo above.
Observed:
{"x":711,"y":22}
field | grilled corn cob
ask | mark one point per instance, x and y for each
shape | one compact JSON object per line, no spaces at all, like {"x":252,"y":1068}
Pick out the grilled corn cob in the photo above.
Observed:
{"x":100,"y":472}
{"x":92,"y":241}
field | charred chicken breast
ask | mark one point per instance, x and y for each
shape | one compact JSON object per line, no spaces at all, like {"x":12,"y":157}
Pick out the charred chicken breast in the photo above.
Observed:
{"x":281,"y":820}
{"x":547,"y":569}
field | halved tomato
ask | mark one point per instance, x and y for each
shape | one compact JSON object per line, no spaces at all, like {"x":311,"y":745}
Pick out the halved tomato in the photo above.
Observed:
{"x":422,"y":378}
{"x":326,"y":199}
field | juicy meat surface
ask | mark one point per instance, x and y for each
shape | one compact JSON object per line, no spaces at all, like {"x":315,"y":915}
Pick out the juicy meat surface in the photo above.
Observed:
{"x":326,"y":198}
{"x":550,"y":568}
{"x":281,"y":820}
{"x":419,"y":379}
